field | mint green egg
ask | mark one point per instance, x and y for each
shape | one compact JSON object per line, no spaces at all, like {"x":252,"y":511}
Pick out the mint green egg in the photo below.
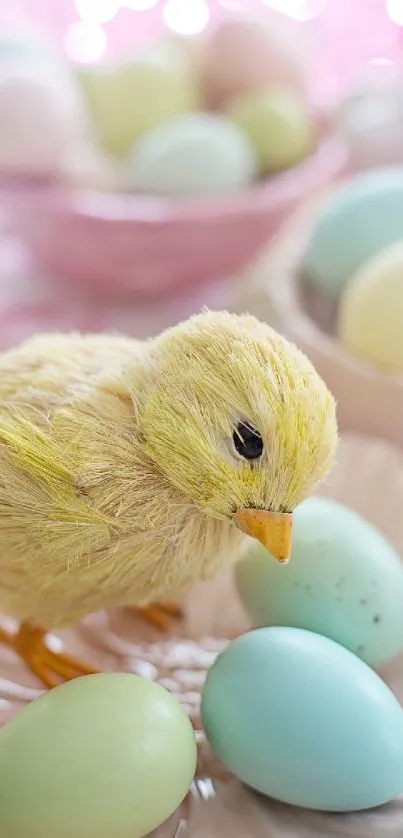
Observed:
{"x":303,"y":720}
{"x":344,"y":580}
{"x":105,"y":756}
{"x":360,"y":218}
{"x":193,"y":155}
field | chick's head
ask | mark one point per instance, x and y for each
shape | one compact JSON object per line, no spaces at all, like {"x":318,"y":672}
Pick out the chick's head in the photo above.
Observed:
{"x":239,"y":421}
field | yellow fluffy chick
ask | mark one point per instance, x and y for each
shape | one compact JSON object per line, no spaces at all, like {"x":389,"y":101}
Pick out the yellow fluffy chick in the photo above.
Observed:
{"x":129,"y":470}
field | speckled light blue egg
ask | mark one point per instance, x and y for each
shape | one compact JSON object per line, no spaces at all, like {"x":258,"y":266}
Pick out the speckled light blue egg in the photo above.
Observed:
{"x":301,"y":719}
{"x":344,"y":580}
{"x":360,"y":218}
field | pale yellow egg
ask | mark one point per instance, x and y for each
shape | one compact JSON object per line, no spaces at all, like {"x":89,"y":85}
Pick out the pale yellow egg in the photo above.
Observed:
{"x":279,"y":125}
{"x":130,"y":99}
{"x":370,"y":322}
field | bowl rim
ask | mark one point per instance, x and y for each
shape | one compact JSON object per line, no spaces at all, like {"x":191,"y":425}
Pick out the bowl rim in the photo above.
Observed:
{"x":285,"y":297}
{"x":329,"y":159}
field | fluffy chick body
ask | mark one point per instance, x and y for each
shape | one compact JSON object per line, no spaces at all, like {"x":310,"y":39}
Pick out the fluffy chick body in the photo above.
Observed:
{"x":117,"y":478}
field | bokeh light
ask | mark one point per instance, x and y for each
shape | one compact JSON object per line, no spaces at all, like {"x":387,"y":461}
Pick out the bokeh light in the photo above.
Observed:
{"x":381,"y":62}
{"x":85,"y":42}
{"x":235,"y":5}
{"x":395,"y":11}
{"x":186,"y":17}
{"x":140,"y":5}
{"x":97,"y":11}
{"x":298,"y":9}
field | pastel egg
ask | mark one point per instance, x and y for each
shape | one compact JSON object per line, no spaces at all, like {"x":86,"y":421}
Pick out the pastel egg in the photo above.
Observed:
{"x":244,"y":54}
{"x":344,"y":580}
{"x":278,"y":125}
{"x":371,"y":120}
{"x":194,"y":155}
{"x":360,"y":218}
{"x":105,"y":755}
{"x":371,"y":307}
{"x":301,"y":719}
{"x":42,"y":116}
{"x":131,"y":99}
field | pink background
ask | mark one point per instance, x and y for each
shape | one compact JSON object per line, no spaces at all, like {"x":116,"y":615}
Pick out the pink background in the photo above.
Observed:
{"x":348,"y":33}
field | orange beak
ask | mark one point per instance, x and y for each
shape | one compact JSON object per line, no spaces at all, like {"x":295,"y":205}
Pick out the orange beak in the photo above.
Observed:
{"x":272,"y":529}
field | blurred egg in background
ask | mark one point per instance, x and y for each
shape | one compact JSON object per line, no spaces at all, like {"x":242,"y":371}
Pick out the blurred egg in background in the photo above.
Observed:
{"x":128,"y":99}
{"x":354,"y":222}
{"x":371,"y":116}
{"x":371,"y":311}
{"x":197,"y":154}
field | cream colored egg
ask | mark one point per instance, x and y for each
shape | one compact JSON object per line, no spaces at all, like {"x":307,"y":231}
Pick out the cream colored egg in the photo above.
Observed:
{"x":370,"y":322}
{"x":128,"y":100}
{"x":279,"y":126}
{"x":42,"y":116}
{"x":245,"y":54}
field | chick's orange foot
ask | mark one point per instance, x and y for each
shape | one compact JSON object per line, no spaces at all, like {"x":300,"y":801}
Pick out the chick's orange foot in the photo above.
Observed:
{"x":52,"y":668}
{"x":162,"y":616}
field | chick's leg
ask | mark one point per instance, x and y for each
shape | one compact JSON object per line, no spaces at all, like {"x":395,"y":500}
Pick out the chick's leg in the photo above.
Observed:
{"x":161,"y":616}
{"x":29,"y":642}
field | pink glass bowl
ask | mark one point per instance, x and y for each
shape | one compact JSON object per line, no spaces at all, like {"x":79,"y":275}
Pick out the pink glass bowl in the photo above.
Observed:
{"x":140,"y":246}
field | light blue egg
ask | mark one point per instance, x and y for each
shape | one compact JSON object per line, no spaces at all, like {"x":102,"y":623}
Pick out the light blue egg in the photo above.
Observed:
{"x":301,"y":719}
{"x":362,"y":217}
{"x":344,"y":580}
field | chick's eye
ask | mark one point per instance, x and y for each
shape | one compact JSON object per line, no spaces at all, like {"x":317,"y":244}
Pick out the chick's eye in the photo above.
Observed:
{"x":247,"y":441}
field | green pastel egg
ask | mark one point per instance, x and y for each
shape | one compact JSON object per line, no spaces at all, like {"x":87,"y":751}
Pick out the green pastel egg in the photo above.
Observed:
{"x":344,"y":581}
{"x":130,"y":99}
{"x":279,"y":126}
{"x":105,"y":755}
{"x":195,"y":154}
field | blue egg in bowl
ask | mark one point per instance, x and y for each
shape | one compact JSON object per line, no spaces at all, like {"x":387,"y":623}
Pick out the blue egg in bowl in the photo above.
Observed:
{"x":357,"y":220}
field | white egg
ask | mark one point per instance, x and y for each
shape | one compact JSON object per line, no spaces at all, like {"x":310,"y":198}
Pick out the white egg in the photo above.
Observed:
{"x":371,"y":118}
{"x":41,"y":116}
{"x":197,"y":154}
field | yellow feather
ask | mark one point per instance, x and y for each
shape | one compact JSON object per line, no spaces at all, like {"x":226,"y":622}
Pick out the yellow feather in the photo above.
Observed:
{"x":118,"y":477}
